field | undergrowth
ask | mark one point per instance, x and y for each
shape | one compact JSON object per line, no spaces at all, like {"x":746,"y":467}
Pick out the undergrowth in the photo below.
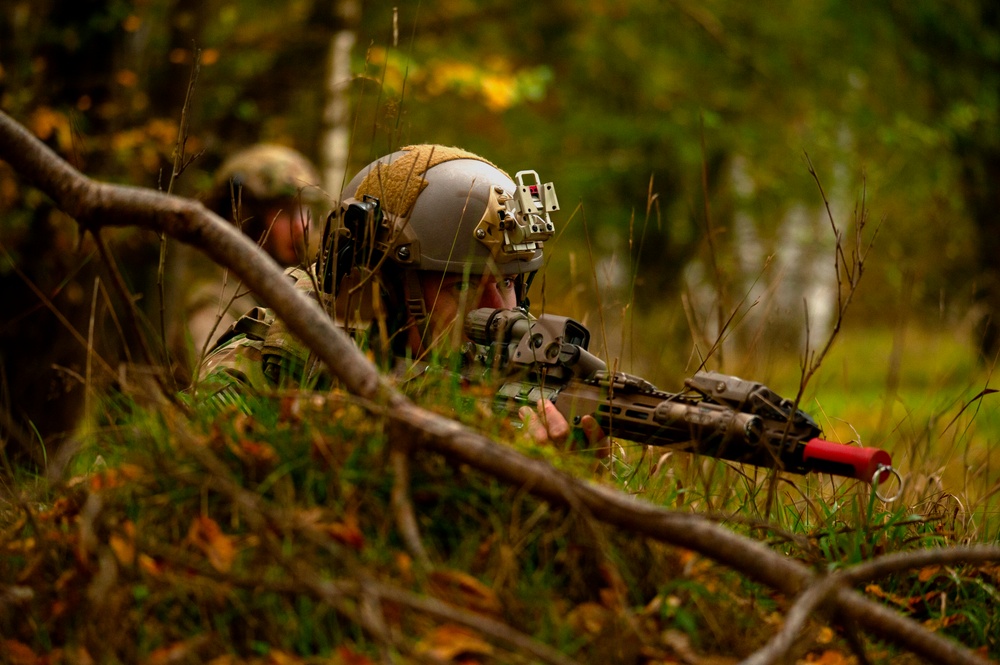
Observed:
{"x":223,"y":537}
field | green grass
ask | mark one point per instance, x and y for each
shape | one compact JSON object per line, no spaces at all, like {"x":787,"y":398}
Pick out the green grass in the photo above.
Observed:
{"x":214,"y":538}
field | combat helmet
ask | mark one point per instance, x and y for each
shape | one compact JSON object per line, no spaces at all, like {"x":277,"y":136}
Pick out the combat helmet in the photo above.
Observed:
{"x":260,"y":175}
{"x":438,"y":208}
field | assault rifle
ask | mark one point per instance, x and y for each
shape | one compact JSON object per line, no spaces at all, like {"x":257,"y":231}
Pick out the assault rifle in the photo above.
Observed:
{"x":717,"y":415}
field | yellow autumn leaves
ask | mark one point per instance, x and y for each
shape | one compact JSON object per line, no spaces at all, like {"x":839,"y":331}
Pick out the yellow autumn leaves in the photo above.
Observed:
{"x":495,"y":82}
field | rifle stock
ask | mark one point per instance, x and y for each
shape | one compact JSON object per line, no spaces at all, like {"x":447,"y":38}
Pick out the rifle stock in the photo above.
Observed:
{"x":718,"y":415}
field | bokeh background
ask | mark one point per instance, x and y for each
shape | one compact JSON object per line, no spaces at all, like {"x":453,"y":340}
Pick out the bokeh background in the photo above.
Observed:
{"x":702,"y":152}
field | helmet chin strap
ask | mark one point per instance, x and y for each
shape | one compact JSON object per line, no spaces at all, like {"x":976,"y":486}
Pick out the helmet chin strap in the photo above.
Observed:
{"x":522,"y":297}
{"x":416,"y":308}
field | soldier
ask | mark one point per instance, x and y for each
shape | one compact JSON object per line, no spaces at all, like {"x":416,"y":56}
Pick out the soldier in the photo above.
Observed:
{"x":423,"y":236}
{"x":268,"y":191}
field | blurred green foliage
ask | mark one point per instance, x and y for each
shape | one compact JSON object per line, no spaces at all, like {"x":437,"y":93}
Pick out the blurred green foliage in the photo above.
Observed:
{"x":619,"y":103}
{"x":656,"y":121}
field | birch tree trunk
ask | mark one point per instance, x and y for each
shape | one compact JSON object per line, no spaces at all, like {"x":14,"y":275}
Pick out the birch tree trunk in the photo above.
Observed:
{"x":336,"y":114}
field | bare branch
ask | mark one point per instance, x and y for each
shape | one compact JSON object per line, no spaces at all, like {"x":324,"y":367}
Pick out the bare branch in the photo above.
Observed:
{"x":805,"y":606}
{"x":402,"y":507}
{"x":94,"y":205}
{"x":690,"y":531}
{"x":809,"y":602}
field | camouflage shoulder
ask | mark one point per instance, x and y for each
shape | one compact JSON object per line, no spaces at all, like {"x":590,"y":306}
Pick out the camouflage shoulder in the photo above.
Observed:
{"x":232,"y":373}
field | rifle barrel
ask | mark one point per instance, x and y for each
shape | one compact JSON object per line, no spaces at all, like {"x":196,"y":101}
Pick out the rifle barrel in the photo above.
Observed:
{"x":741,"y":421}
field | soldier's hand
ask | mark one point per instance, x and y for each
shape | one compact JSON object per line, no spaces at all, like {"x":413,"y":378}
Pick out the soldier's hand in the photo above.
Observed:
{"x":546,"y":425}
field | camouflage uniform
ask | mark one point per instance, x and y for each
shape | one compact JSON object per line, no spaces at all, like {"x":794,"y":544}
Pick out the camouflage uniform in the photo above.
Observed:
{"x":440,"y":210}
{"x":258,"y":175}
{"x":204,"y":302}
{"x":258,"y":355}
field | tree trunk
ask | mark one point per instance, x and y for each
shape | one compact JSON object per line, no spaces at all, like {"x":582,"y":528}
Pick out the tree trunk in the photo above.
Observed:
{"x":336,"y":114}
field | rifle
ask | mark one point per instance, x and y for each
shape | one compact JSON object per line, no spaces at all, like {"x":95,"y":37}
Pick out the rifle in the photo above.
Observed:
{"x":717,"y":415}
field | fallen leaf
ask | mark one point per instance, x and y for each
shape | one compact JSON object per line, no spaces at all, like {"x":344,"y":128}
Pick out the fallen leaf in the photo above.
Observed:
{"x":150,"y":565}
{"x":449,"y":642}
{"x":346,"y":532}
{"x":828,"y":657}
{"x":206,"y":535}
{"x":21,"y":546}
{"x":254,"y":453}
{"x":943,"y":622}
{"x":123,"y":545}
{"x":879,"y":592}
{"x":347,"y":657}
{"x":588,"y":618}
{"x":927,"y":572}
{"x":464,"y":590}
{"x":63,"y":507}
{"x":404,"y":563}
{"x":117,"y":477}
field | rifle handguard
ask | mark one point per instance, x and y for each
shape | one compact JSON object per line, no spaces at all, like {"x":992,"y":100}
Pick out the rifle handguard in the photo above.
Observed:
{"x":731,"y":419}
{"x":844,"y":460}
{"x":709,"y":420}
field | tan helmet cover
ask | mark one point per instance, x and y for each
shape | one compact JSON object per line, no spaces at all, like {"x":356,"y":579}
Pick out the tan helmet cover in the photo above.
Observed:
{"x":265,"y":172}
{"x":447,"y":210}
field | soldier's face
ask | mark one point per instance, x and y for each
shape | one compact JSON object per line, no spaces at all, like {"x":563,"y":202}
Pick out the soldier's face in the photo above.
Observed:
{"x":287,"y":233}
{"x":450,"y":297}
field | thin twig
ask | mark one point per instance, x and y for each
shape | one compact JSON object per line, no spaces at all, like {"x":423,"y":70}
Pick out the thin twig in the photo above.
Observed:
{"x":853,"y":270}
{"x":179,"y":165}
{"x":402,"y":507}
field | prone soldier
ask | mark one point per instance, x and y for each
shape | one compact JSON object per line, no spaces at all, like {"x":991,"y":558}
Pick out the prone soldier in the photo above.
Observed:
{"x":269,"y":191}
{"x":422,"y":237}
{"x":434,"y":250}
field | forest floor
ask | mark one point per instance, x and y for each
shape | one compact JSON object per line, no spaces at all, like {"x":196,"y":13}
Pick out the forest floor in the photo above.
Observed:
{"x":283,"y":537}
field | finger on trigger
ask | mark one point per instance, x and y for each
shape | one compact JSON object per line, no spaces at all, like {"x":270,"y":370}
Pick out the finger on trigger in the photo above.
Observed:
{"x":596,"y":438}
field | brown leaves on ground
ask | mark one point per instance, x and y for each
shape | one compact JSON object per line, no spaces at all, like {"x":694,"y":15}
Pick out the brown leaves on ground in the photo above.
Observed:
{"x":346,"y":532}
{"x":174,"y":541}
{"x":465,"y":591}
{"x":453,"y":644}
{"x":205,"y":535}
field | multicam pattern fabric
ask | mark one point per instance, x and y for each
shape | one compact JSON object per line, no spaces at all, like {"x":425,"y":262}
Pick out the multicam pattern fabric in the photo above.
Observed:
{"x":257,"y":356}
{"x":267,"y":171}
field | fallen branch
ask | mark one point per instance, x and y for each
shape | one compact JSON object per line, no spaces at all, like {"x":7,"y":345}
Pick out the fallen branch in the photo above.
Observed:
{"x":95,"y":204}
{"x":818,"y":592}
{"x":685,"y":530}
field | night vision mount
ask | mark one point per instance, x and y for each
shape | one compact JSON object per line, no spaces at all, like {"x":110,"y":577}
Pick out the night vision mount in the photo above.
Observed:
{"x":515,"y":227}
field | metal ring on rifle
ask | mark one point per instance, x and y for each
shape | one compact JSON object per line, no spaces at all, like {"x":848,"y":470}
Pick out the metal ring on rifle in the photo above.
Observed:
{"x":875,"y":484}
